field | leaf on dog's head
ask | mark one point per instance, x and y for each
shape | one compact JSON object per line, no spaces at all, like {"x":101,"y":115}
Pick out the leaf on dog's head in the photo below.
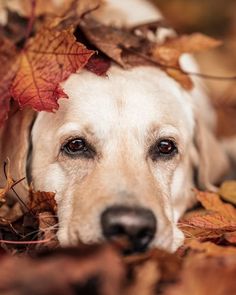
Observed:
{"x":8,"y":57}
{"x":98,"y":65}
{"x":48,"y":59}
{"x":40,"y":202}
{"x":50,"y":7}
{"x":168,"y":54}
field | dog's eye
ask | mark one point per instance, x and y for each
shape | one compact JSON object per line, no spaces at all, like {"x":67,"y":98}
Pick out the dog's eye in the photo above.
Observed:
{"x":78,"y":147}
{"x":165,"y":148}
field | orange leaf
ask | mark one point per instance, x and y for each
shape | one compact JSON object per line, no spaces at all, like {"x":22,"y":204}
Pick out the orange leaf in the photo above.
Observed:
{"x":192,"y":43}
{"x":212,"y":201}
{"x":213,"y":220}
{"x":48,"y":59}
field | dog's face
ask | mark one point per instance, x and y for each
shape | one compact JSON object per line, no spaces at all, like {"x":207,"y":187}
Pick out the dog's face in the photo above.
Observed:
{"x":117,"y":154}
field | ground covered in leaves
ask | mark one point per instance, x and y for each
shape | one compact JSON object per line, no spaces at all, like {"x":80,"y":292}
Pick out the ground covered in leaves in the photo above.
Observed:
{"x":34,"y":40}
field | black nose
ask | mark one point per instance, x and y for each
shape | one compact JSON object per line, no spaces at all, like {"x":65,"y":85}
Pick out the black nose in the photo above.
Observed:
{"x":136,"y":225}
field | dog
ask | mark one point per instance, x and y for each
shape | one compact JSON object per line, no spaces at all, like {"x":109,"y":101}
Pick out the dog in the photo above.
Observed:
{"x":124,"y":152}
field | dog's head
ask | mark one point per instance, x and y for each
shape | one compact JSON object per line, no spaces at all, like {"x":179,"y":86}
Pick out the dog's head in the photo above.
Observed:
{"x":121,"y":155}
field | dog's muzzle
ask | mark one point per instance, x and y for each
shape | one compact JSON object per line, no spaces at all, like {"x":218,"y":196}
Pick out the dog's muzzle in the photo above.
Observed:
{"x":137,"y":226}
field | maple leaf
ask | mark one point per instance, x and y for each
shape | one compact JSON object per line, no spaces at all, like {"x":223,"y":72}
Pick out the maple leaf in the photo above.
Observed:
{"x":47,"y":59}
{"x":8,"y":56}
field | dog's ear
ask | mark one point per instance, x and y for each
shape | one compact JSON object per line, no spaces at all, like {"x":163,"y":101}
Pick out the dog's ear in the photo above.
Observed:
{"x":210,"y":160}
{"x":15,"y":146}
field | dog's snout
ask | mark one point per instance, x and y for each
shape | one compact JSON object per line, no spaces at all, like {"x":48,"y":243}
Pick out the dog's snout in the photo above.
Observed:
{"x":136,"y":225}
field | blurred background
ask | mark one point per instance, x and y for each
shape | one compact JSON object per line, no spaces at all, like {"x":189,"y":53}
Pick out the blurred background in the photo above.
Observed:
{"x":216,"y":18}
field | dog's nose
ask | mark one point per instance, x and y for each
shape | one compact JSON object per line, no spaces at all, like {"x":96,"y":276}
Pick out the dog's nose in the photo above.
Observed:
{"x":136,"y":225}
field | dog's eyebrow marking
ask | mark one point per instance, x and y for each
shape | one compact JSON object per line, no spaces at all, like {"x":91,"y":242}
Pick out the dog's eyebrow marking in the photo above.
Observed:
{"x":120,"y":102}
{"x":70,"y":127}
{"x":75,"y":129}
{"x":156,"y":131}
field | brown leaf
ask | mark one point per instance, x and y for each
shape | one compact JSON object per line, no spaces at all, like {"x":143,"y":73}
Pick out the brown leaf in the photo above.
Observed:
{"x":230,"y":237}
{"x":40,"y":202}
{"x":48,"y":59}
{"x":204,"y":276}
{"x":192,"y":43}
{"x":84,"y":270}
{"x":109,"y":40}
{"x":98,"y":65}
{"x":8,"y":56}
{"x":228,"y":191}
{"x":213,"y":220}
{"x":9,"y":183}
{"x":210,"y":249}
{"x":168,"y":54}
{"x":146,"y":279}
{"x":212,"y":201}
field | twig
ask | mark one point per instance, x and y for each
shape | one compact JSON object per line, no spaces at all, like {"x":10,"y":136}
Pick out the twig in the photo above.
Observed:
{"x":31,"y":19}
{"x":204,"y":76}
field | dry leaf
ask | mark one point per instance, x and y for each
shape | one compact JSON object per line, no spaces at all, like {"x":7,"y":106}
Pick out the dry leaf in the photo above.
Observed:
{"x":48,"y":59}
{"x":206,"y":276}
{"x":212,"y":201}
{"x":8,"y":56}
{"x":168,"y":54}
{"x":90,"y":270}
{"x":228,"y":191}
{"x":40,"y":202}
{"x":8,"y":186}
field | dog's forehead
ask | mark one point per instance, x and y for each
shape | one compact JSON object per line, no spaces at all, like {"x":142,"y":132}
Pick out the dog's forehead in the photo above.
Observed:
{"x":140,"y":96}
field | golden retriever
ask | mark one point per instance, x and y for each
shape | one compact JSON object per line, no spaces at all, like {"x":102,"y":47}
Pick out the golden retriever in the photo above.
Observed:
{"x":123,"y":152}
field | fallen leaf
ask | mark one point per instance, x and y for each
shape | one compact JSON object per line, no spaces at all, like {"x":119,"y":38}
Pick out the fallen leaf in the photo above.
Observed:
{"x":228,"y":191}
{"x":109,"y":40}
{"x":47,"y":59}
{"x":8,"y":56}
{"x":40,"y":202}
{"x":9,"y":183}
{"x":146,"y":279}
{"x":212,"y":201}
{"x":98,"y":65}
{"x":210,"y":249}
{"x":192,"y":43}
{"x":82,"y":270}
{"x":169,"y":53}
{"x":213,"y":220}
{"x":230,"y":237}
{"x":204,"y":276}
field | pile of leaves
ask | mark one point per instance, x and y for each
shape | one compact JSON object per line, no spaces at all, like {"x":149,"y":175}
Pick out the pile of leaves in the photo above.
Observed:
{"x":40,"y":50}
{"x":41,"y":44}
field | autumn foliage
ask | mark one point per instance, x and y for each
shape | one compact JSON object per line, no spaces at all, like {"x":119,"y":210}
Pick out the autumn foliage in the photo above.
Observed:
{"x":40,"y":46}
{"x":50,"y":50}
